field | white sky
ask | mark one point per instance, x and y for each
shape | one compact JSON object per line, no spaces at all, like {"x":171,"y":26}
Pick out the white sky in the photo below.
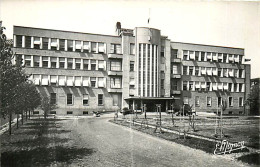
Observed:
{"x":232,"y":24}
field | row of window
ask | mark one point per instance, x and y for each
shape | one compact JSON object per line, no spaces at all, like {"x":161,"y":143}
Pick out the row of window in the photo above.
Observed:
{"x":212,"y":56}
{"x":219,"y":101}
{"x":68,"y":63}
{"x":85,"y":99}
{"x":212,"y":86}
{"x":67,"y":45}
{"x":78,"y":81}
{"x":211,"y":71}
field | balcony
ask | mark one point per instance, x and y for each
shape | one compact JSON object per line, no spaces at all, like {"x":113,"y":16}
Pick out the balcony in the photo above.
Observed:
{"x":114,"y":90}
{"x":115,"y":56}
{"x":176,"y":76}
{"x":120,"y":73}
{"x":176,"y":60}
{"x":176,"y":92}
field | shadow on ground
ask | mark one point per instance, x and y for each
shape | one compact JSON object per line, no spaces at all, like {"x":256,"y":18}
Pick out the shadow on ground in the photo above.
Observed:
{"x":44,"y":156}
{"x":39,"y":143}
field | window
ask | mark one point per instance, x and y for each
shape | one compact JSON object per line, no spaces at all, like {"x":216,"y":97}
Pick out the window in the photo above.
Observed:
{"x":236,"y":73}
{"x":53,"y":62}
{"x":100,"y":99}
{"x":230,"y":101}
{"x":202,"y":56}
{"x":240,"y":87}
{"x":45,"y":61}
{"x":115,"y":83}
{"x":101,"y":65}
{"x":36,"y":61}
{"x":203,"y":86}
{"x":175,"y":69}
{"x":69,"y":63}
{"x":230,"y":85}
{"x":77,"y":81}
{"x":208,"y":88}
{"x":185,"y":100}
{"x":209,"y":71}
{"x":185,"y":55}
{"x":85,"y":64}
{"x":69,"y":99}
{"x":78,"y":46}
{"x":62,"y":80}
{"x":94,"y":47}
{"x":191,"y":70}
{"x":240,"y":58}
{"x":69,"y":112}
{"x":220,"y":57}
{"x":174,"y":84}
{"x":101,"y":82}
{"x":132,"y":65}
{"x":197,"y":101}
{"x":132,"y":49}
{"x":174,"y":53}
{"x":61,"y":62}
{"x":93,"y":64}
{"x":28,"y":41}
{"x":86,"y":46}
{"x":93,"y":81}
{"x":85,"y":99}
{"x":215,"y":57}
{"x":235,"y":87}
{"x":241,"y":101}
{"x":85,"y":81}
{"x":197,"y":85}
{"x":115,"y":66}
{"x":52,"y":112}
{"x":70,"y":81}
{"x":162,"y":83}
{"x":224,"y":58}
{"x":62,"y":44}
{"x":101,"y":47}
{"x":115,"y":48}
{"x":230,"y":112}
{"x":197,"y":56}
{"x":225,"y":72}
{"x":53,"y":80}
{"x":192,"y":55}
{"x":69,"y":45}
{"x":45,"y":43}
{"x":185,"y":83}
{"x":19,"y":41}
{"x":191,"y":85}
{"x":219,"y":101}
{"x":77,"y":64}
{"x":208,"y":101}
{"x":209,"y":56}
{"x":36,"y":42}
{"x":197,"y":70}
{"x":53,"y":98}
{"x":85,"y":112}
{"x":203,"y":70}
{"x":54,"y":43}
{"x":162,"y":51}
{"x":27,"y":61}
{"x":184,"y":71}
{"x":240,"y":71}
{"x":220,"y":72}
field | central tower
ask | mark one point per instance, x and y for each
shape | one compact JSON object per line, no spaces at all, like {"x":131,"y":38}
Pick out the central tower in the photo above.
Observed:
{"x":148,"y":41}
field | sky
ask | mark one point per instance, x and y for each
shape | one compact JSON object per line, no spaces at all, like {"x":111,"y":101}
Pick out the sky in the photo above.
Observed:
{"x":229,"y":23}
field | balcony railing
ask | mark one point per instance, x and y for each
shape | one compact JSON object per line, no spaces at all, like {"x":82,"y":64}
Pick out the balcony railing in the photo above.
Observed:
{"x":115,"y":56}
{"x":175,"y":75}
{"x":176,"y":92}
{"x":120,"y":73}
{"x":176,"y":60}
{"x":114,"y":90}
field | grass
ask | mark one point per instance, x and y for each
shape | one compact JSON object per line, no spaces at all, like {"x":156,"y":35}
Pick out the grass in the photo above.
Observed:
{"x":39,"y":143}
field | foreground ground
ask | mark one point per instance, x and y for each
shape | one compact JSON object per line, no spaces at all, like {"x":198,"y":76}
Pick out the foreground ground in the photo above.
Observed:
{"x":96,"y":142}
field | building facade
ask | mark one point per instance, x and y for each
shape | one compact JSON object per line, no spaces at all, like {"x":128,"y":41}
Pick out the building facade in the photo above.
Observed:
{"x":137,"y":69}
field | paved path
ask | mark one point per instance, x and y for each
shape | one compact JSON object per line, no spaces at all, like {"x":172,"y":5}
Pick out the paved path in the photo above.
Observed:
{"x":120,"y":146}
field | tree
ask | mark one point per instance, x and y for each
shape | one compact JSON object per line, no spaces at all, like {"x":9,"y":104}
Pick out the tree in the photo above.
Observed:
{"x":47,"y":106}
{"x":16,"y":92}
{"x":253,"y":99}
